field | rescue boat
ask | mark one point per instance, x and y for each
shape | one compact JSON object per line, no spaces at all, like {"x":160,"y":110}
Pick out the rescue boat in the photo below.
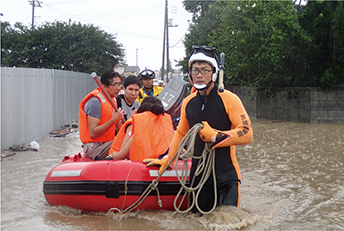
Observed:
{"x":100,"y":186}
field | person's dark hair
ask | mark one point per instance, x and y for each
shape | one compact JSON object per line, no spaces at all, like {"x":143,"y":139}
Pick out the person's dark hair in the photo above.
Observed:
{"x":107,"y":77}
{"x":131,"y":79}
{"x":152,"y":104}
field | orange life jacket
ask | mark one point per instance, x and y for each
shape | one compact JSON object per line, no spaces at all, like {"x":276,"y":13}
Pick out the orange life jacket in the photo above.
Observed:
{"x":117,"y":143}
{"x":106,"y":115}
{"x":152,"y":135}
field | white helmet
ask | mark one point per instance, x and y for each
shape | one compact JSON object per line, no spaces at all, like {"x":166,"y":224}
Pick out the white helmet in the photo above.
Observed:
{"x":204,"y":53}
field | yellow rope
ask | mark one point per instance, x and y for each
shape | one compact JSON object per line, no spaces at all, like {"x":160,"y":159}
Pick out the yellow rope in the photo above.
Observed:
{"x":152,"y":186}
{"x":126,"y":187}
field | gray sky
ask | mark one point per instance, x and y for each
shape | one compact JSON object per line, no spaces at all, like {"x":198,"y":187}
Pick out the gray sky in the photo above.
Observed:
{"x":139,"y":24}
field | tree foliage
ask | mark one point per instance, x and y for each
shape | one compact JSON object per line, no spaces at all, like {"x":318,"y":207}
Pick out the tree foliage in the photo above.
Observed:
{"x":60,"y":45}
{"x":263,"y":42}
{"x":204,"y":20}
{"x":272,"y":44}
{"x":323,"y":21}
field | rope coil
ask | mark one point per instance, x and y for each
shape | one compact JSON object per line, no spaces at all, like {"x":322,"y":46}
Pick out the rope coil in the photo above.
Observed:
{"x":205,"y":166}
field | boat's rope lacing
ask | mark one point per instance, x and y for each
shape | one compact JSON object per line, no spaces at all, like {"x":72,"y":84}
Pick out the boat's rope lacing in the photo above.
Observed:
{"x":205,"y":167}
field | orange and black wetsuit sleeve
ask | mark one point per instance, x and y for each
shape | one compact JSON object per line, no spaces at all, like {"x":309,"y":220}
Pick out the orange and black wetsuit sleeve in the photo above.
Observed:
{"x":241,"y":128}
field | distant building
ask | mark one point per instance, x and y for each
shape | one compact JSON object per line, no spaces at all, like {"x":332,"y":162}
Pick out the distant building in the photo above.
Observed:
{"x":131,"y":70}
{"x":157,"y":74}
{"x":178,"y":75}
{"x":175,"y":74}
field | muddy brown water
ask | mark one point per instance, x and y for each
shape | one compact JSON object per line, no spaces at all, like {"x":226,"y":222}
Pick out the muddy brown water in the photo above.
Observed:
{"x":292,"y":179}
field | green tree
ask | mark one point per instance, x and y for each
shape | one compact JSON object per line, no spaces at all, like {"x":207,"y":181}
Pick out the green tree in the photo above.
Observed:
{"x":263,"y":43}
{"x":334,"y":76}
{"x":323,"y":22}
{"x":60,"y":45}
{"x":12,"y":44}
{"x":272,"y":44}
{"x":204,"y":21}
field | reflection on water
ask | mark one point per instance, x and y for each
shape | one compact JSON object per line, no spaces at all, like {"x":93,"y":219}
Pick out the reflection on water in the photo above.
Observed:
{"x":292,"y":178}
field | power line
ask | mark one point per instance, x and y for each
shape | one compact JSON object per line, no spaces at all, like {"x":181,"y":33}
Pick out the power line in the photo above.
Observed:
{"x":113,"y":14}
{"x":178,"y":42}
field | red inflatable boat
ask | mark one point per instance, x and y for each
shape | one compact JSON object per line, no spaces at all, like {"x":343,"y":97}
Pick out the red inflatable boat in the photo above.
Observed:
{"x":100,"y":186}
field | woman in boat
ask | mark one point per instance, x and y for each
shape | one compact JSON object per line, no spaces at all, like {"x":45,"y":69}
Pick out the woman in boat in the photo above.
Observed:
{"x":147,"y":134}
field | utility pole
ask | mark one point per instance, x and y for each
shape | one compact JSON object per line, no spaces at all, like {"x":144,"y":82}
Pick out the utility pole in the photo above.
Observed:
{"x":167,"y":54}
{"x":168,"y":23}
{"x":164,"y":42}
{"x":34,"y":3}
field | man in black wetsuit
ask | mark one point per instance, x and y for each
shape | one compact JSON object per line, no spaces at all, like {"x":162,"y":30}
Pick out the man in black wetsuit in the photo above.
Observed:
{"x":226,"y":124}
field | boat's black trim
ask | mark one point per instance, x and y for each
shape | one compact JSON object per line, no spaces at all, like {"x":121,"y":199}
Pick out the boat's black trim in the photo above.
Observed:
{"x":111,"y":189}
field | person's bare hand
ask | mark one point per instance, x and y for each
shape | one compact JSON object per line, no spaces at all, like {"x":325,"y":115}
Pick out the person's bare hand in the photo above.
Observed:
{"x":119,"y":115}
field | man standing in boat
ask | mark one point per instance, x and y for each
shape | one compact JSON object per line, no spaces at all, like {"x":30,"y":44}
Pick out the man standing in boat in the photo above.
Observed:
{"x":97,"y":118}
{"x":127,"y":101}
{"x":226,"y":124}
{"x":146,"y":77}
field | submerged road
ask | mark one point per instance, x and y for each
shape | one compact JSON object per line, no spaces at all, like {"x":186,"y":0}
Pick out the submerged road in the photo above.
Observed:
{"x":292,"y":179}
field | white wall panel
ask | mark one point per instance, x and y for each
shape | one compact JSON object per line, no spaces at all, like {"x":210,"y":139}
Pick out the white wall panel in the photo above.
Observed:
{"x":35,"y":102}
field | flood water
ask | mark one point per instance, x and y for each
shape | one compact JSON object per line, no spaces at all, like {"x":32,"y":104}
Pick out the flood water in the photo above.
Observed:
{"x":292,"y":179}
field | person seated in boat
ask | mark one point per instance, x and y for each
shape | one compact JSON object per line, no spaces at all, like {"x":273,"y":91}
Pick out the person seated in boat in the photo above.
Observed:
{"x":127,"y":101}
{"x":146,"y":77}
{"x":147,"y":134}
{"x":97,"y":118}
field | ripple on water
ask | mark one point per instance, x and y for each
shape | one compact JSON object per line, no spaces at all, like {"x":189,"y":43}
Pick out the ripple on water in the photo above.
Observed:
{"x":223,"y":218}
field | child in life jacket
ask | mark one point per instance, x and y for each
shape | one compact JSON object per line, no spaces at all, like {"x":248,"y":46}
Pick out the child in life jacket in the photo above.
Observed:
{"x":147,"y":134}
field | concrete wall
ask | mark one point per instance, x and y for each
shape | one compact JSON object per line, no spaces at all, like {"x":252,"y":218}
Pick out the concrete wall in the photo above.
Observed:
{"x":327,"y":106}
{"x":248,"y":98}
{"x":307,"y":105}
{"x":35,"y":102}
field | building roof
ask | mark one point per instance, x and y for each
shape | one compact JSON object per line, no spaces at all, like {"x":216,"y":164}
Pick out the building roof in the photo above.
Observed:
{"x":132,"y":69}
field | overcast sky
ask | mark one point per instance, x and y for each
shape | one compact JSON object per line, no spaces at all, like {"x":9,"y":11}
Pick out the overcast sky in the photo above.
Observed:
{"x":139,"y":24}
